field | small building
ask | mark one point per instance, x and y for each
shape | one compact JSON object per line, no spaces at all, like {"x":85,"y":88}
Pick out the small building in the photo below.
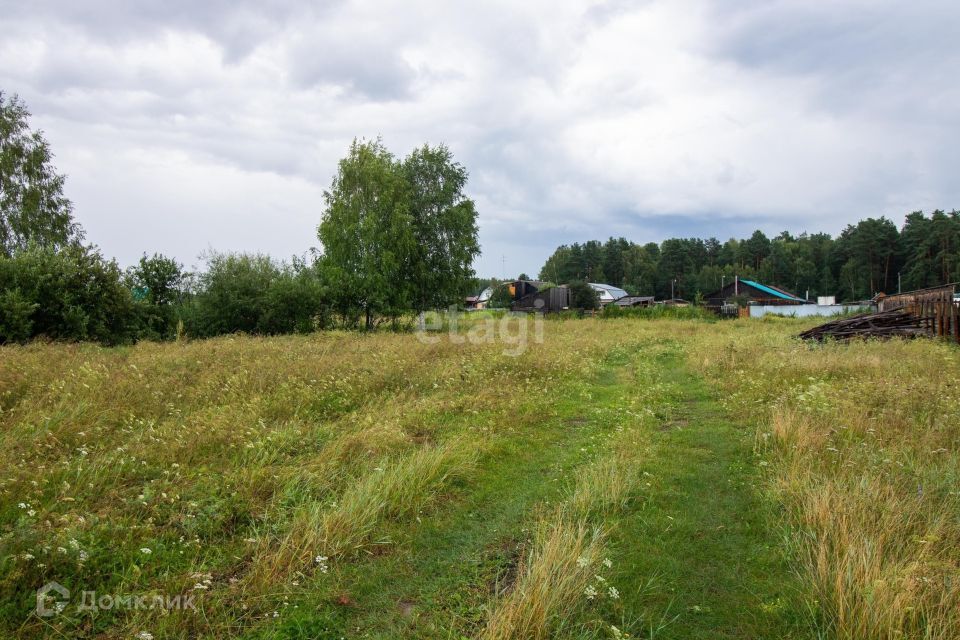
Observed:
{"x":517,"y":288}
{"x":479,"y":301}
{"x":634,"y":301}
{"x":608,"y":292}
{"x":752,"y":293}
{"x":547,"y":300}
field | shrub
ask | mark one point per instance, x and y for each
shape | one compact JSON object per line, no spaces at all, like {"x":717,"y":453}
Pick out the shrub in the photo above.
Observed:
{"x":15,"y":312}
{"x":254,"y":294}
{"x":658,"y":311}
{"x":583,"y":296}
{"x":68,"y":294}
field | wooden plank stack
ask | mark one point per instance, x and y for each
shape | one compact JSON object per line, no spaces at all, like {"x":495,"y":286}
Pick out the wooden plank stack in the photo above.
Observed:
{"x":897,"y":323}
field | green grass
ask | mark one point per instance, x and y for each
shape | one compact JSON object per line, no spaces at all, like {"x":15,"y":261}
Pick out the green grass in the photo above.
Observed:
{"x":614,"y":480}
{"x":704,"y":537}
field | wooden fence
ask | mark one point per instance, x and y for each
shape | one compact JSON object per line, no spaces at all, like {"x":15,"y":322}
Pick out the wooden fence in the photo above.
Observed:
{"x":937,"y":308}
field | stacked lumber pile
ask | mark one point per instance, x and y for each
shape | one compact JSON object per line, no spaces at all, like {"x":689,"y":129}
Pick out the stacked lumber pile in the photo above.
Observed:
{"x":886,"y":324}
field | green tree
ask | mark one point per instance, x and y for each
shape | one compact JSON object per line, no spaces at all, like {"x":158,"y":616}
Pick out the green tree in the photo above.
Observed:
{"x":32,"y":205}
{"x":583,"y":296}
{"x":615,"y":261}
{"x":157,"y":279}
{"x":501,"y":297}
{"x":868,"y":251}
{"x":444,"y":228}
{"x":560,"y":266}
{"x":156,"y":283}
{"x":640,"y":269}
{"x":755,"y":249}
{"x":368,"y":237}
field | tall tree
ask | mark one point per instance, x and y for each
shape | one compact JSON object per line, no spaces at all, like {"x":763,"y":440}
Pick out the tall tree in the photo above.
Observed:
{"x":367,"y":234}
{"x":32,"y":205}
{"x":444,"y":225}
{"x":397,"y":235}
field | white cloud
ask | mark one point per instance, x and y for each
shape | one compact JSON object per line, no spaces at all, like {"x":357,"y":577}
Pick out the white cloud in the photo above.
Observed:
{"x":221,"y":124}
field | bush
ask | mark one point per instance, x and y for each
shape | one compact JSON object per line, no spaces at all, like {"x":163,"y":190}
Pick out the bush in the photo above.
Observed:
{"x":254,"y":294}
{"x":501,"y":298}
{"x":16,"y":310}
{"x":156,"y":283}
{"x":67,"y":294}
{"x":658,"y":311}
{"x":583,"y":296}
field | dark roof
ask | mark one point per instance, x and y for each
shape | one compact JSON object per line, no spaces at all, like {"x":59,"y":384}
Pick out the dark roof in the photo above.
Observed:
{"x":629,"y":301}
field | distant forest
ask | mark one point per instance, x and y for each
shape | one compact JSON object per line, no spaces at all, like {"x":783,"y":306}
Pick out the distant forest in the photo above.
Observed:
{"x":869,"y":257}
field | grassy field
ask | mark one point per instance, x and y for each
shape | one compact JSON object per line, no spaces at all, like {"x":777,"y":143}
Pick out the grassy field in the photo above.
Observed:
{"x":620,"y":478}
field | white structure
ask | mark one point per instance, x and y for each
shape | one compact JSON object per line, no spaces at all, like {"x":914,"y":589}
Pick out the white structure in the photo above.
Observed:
{"x":824,"y":300}
{"x":805,"y":310}
{"x":608,"y":293}
{"x":485,"y":295}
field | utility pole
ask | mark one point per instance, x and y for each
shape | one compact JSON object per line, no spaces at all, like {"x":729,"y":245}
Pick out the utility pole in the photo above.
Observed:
{"x":899,"y":281}
{"x":672,"y":282}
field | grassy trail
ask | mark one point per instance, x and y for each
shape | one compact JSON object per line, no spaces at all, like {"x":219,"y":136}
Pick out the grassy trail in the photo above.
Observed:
{"x":703,"y":533}
{"x":440,"y":581}
{"x":692,"y":556}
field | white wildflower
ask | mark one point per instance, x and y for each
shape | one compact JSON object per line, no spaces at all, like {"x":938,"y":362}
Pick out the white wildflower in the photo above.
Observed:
{"x":613,"y":593}
{"x":144,"y":635}
{"x":146,"y":551}
{"x":582,"y":562}
{"x":590,"y":592}
{"x":607,"y":562}
{"x":322,"y":563}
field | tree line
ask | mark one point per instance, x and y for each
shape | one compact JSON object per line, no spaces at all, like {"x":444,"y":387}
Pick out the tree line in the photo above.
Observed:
{"x":397,"y":236}
{"x":866,"y":258}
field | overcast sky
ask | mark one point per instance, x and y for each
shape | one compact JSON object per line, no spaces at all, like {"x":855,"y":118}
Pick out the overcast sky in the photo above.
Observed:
{"x":218,"y":124}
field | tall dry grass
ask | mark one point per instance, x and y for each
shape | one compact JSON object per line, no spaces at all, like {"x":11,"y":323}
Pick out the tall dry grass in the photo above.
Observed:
{"x":861,"y":444}
{"x":243,"y":458}
{"x":397,"y":489}
{"x":567,"y":550}
{"x":560,"y":564}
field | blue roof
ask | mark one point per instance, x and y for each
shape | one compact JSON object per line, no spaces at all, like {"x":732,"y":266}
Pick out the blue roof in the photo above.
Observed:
{"x":773,"y":292}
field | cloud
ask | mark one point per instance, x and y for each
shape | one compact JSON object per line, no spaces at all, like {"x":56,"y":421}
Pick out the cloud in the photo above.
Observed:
{"x":184,"y":126}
